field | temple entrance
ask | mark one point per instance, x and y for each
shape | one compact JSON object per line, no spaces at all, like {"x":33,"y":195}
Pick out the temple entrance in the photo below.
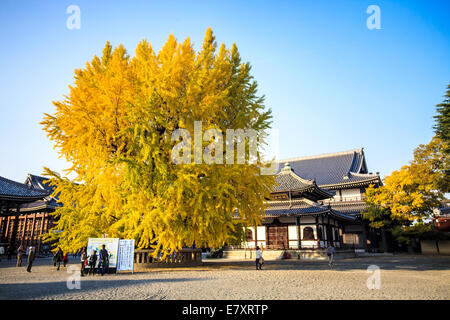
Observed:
{"x":277,"y":237}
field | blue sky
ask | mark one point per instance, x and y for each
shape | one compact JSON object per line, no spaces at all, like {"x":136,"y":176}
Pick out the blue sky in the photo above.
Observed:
{"x":332,"y":83}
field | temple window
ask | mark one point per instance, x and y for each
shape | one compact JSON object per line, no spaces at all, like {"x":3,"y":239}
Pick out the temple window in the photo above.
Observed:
{"x":249,"y":234}
{"x":308,"y":233}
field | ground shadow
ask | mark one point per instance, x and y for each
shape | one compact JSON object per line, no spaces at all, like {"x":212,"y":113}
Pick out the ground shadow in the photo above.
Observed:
{"x":36,"y":290}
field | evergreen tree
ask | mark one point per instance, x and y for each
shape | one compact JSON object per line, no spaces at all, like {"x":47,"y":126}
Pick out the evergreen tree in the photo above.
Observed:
{"x":442,"y":118}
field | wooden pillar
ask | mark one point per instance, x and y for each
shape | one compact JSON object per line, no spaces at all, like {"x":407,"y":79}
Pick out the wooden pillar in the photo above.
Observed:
{"x":329,"y":232}
{"x":7,"y":228}
{"x":256,"y":236}
{"x":42,"y":228}
{"x":15,"y":227}
{"x":32,"y":230}
{"x":317,"y":231}
{"x":364,"y":237}
{"x":24,"y":227}
{"x":42,"y":223}
{"x":297,"y":222}
{"x":1,"y":225}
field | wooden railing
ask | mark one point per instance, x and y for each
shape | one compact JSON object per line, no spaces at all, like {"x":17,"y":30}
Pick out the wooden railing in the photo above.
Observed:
{"x":185,"y":257}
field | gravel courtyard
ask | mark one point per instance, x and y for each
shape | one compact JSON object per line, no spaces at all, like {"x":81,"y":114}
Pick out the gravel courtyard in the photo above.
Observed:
{"x":402,"y":277}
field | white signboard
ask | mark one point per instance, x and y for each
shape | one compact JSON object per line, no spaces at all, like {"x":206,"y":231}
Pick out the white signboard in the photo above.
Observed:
{"x":111,"y":245}
{"x":126,"y":255}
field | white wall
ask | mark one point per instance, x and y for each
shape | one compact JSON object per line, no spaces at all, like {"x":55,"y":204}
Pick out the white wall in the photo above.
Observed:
{"x":261,"y":233}
{"x":292,"y":233}
{"x":307,"y":220}
{"x":351,"y":194}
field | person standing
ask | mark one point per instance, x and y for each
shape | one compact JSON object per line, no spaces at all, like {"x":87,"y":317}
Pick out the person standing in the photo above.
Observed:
{"x":330,"y":253}
{"x":20,"y":253}
{"x":92,"y":262}
{"x":104,"y":260}
{"x":83,"y":261}
{"x":31,"y":256}
{"x":259,"y":259}
{"x":58,"y":258}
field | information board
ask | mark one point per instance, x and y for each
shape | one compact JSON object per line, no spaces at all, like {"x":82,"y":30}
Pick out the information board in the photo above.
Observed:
{"x":111,"y":245}
{"x":126,"y":255}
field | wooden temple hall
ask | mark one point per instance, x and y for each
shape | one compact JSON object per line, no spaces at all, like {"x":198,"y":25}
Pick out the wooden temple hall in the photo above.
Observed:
{"x":24,"y":212}
{"x":317,"y":201}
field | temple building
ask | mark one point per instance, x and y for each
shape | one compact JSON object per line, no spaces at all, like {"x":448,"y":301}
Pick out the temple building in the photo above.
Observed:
{"x":318,"y":201}
{"x":25,"y":212}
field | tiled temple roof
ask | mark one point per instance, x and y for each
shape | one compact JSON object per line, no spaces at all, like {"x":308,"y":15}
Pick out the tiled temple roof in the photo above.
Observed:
{"x":288,"y":180}
{"x":37,"y":182}
{"x":20,"y":192}
{"x":302,"y":207}
{"x":348,"y":207}
{"x":334,"y":170}
{"x":444,"y":208}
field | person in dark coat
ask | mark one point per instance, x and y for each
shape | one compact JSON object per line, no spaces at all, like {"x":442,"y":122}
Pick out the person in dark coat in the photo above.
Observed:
{"x":58,"y":258}
{"x":104,"y":260}
{"x":92,"y":262}
{"x":31,"y":256}
{"x":83,"y":259}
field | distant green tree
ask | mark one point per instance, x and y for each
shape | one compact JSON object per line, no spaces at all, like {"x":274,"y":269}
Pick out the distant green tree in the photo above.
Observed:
{"x":442,"y":126}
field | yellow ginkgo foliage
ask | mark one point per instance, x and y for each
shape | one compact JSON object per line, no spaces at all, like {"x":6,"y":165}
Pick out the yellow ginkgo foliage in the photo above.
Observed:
{"x":115,"y":128}
{"x":411,"y":193}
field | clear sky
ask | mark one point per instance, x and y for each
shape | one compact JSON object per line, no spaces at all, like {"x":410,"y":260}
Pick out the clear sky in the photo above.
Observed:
{"x":332,"y":83}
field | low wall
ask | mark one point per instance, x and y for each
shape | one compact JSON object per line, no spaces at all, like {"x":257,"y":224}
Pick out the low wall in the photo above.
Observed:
{"x":444,"y":247}
{"x":143,"y":259}
{"x":429,"y":247}
{"x":435,"y":247}
{"x":304,"y":254}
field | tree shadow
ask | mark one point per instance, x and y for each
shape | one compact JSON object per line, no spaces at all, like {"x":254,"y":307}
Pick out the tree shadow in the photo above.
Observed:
{"x":36,"y":290}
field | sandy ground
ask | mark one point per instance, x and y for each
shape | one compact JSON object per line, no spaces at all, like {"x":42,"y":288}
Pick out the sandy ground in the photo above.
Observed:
{"x":402,"y":277}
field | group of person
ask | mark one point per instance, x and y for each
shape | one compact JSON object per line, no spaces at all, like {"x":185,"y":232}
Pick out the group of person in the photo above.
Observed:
{"x":59,"y":257}
{"x":91,"y":260}
{"x":31,"y":256}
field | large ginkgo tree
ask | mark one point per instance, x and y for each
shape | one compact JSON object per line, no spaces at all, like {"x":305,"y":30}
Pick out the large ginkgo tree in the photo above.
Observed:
{"x":115,"y":128}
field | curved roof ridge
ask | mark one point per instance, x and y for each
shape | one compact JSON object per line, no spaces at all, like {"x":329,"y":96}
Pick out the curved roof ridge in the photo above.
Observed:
{"x":296,"y":176}
{"x":22,"y":185}
{"x":293,"y":201}
{"x":349,"y":171}
{"x":323,"y":155}
{"x":364,"y":174}
{"x":29,"y":191}
{"x":361,"y":162}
